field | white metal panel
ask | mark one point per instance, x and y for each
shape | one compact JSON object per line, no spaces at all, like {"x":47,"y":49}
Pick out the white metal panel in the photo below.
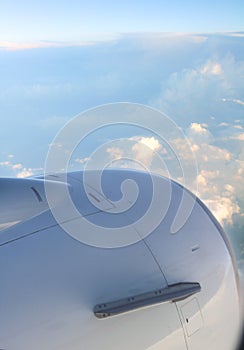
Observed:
{"x":192,"y":316}
{"x":50,"y":284}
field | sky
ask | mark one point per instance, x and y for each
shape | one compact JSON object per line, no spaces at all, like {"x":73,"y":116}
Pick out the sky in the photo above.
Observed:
{"x":184,"y":58}
{"x":78,"y":20}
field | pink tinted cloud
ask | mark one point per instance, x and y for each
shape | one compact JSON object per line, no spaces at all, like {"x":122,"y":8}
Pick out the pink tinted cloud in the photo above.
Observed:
{"x":14,"y":46}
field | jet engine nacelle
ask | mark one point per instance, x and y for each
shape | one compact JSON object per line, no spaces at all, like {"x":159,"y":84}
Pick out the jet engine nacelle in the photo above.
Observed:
{"x":133,"y":262}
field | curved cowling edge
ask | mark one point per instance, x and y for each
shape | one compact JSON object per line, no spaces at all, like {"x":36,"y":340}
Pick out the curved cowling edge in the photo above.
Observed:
{"x":222,"y":233}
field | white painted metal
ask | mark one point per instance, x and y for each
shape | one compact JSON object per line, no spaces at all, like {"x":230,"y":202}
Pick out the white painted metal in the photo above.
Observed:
{"x":50,"y":282}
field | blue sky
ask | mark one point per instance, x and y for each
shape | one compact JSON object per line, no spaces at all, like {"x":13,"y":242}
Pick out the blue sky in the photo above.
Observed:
{"x":75,"y":20}
{"x":59,"y":58}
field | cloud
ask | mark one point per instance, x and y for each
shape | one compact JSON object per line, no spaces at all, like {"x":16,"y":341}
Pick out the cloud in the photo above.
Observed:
{"x":16,"y":46}
{"x":18,"y":169}
{"x":150,"y":142}
{"x":88,"y":41}
{"x":210,"y":153}
{"x":239,"y":102}
{"x":220,"y":172}
{"x":239,"y":137}
{"x":216,"y":185}
{"x":5,"y":163}
{"x":200,"y":91}
{"x":17,"y":166}
{"x":25,"y":173}
{"x":199,"y":128}
{"x":219,"y":196}
{"x":172,"y":72}
{"x":144,"y":150}
{"x":198,"y":132}
{"x":82,"y":161}
{"x":235,"y":35}
{"x":159,"y":40}
{"x":223,"y":208}
{"x":137,"y":151}
{"x":115,"y":153}
{"x":212,"y":67}
{"x":219,"y":176}
{"x":223,"y":124}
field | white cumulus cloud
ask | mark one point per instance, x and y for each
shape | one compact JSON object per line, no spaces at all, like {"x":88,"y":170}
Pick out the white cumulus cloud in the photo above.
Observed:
{"x":198,"y":128}
{"x":211,"y":67}
{"x":25,"y":173}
